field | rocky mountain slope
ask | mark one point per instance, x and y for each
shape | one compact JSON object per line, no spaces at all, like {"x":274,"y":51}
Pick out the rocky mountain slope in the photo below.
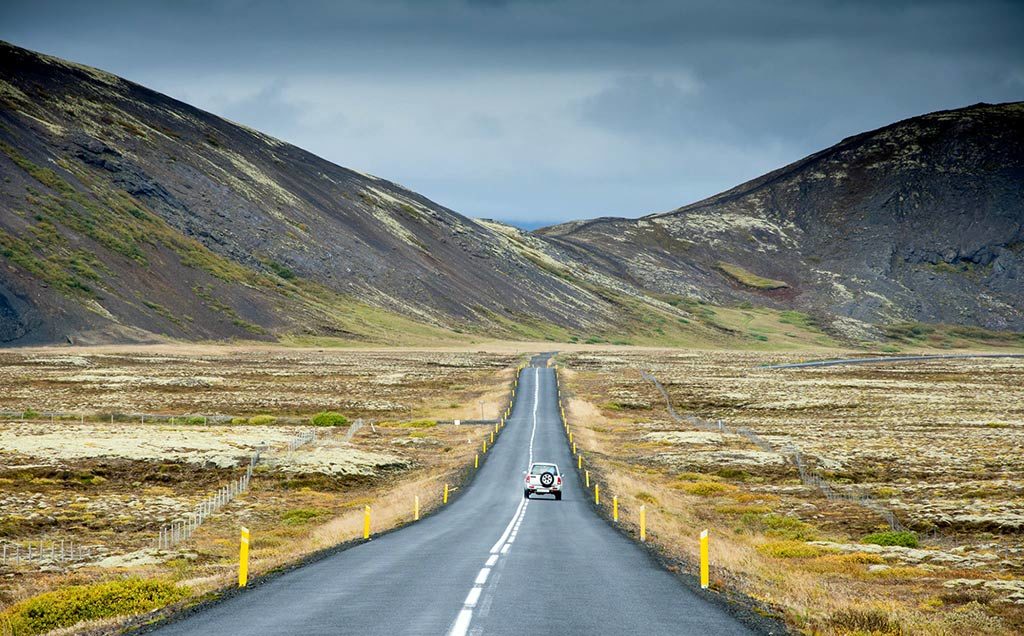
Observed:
{"x":126,"y":214}
{"x":922,"y":220}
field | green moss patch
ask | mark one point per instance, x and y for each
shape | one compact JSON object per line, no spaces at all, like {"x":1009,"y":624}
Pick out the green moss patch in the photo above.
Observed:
{"x":748,"y":278}
{"x":72,"y":605}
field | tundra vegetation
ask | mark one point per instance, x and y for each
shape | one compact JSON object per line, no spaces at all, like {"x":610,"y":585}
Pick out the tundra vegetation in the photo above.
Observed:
{"x":938,"y":443}
{"x":96,"y":475}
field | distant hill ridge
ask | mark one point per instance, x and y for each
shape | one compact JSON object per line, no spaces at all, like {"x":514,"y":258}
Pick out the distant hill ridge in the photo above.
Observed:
{"x":922,"y":220}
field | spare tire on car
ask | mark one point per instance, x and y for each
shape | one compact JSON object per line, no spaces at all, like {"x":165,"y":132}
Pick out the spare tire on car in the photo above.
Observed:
{"x":547,"y":480}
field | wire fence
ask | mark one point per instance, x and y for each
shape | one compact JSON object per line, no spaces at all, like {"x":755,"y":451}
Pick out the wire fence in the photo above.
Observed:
{"x":55,"y":551}
{"x":196,"y":419}
{"x":808,"y":475}
{"x":352,"y":430}
{"x":182,"y":529}
{"x":47,"y":552}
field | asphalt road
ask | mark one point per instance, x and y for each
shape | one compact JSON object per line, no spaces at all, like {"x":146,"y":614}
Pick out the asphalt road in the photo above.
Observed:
{"x":490,"y":563}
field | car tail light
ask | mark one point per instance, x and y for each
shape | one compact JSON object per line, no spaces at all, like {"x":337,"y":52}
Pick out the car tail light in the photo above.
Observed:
{"x":559,"y":481}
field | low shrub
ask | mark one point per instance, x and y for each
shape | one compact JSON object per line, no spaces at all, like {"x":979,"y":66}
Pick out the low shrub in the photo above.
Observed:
{"x":419,"y":424}
{"x":647,"y":497}
{"x":299,"y":516}
{"x":30,"y":414}
{"x":693,"y":477}
{"x":239,"y":420}
{"x":789,"y":528}
{"x":789,"y":550}
{"x":864,"y":558}
{"x":892,"y":537}
{"x":77,"y":603}
{"x":779,"y":526}
{"x":329,"y":418}
{"x":261,"y":420}
{"x":852,"y":564}
{"x":281,"y":270}
{"x":865,"y":620}
{"x":705,"y":488}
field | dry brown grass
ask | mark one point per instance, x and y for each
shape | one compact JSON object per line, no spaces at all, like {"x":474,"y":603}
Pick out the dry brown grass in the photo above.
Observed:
{"x":929,"y":420}
{"x":119,"y":502}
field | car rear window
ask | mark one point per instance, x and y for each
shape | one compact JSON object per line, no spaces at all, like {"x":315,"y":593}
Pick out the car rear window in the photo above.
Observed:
{"x":544,"y":468}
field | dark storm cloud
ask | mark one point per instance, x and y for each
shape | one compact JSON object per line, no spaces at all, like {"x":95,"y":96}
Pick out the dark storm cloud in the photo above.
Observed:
{"x":538,"y":110}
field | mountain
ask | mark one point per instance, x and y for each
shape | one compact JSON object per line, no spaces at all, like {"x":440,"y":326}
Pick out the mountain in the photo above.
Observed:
{"x":922,"y":220}
{"x":128,"y":215}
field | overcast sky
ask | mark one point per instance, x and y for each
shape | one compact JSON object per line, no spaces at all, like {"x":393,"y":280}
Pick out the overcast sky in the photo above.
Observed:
{"x":537,"y":111}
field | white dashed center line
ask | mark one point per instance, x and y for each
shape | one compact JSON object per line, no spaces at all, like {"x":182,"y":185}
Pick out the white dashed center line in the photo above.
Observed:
{"x":508,"y":536}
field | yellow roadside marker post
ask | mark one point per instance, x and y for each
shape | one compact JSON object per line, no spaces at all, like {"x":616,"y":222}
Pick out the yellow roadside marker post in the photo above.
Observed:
{"x":416,"y":508}
{"x":570,"y":440}
{"x":643,"y":523}
{"x":476,"y":461}
{"x":243,"y":558}
{"x":574,"y":448}
{"x":445,"y":498}
{"x":587,"y":474}
{"x":485,"y":446}
{"x":492,"y":439}
{"x":704,"y":560}
{"x":366,"y":522}
{"x":579,"y":460}
{"x":597,"y":494}
{"x":615,"y":509}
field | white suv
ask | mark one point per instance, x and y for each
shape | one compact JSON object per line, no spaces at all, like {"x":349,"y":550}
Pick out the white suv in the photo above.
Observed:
{"x":543,"y":479}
